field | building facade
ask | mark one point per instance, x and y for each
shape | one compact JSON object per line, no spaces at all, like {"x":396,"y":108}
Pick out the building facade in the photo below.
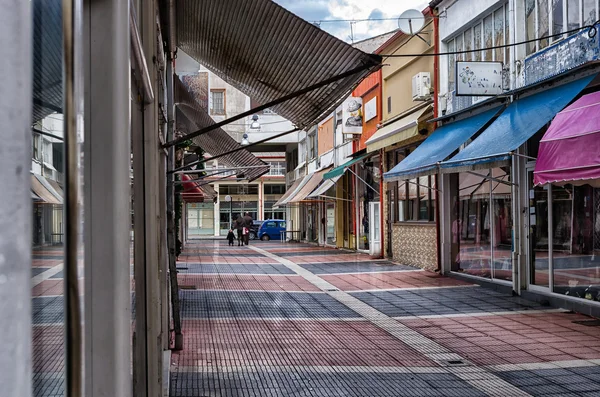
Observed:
{"x":504,"y":216}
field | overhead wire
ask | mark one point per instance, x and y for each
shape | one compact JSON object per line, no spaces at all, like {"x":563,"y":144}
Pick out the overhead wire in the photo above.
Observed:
{"x":593,"y":30}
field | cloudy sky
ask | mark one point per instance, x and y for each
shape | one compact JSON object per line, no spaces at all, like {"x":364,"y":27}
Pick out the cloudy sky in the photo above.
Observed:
{"x":314,"y":10}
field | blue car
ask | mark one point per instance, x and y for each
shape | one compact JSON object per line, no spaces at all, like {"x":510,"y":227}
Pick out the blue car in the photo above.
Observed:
{"x":271,"y":229}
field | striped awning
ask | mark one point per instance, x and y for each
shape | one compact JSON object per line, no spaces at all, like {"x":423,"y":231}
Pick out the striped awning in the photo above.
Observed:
{"x":267,"y":52}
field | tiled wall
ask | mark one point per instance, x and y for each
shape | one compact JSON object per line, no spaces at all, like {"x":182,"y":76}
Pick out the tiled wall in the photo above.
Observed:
{"x":415,"y":245}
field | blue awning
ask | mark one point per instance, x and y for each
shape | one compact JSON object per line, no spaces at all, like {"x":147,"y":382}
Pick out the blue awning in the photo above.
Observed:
{"x":441,"y":144}
{"x":519,"y":122}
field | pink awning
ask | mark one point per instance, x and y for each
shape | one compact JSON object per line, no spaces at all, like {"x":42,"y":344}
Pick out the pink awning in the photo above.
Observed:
{"x":192,"y":193}
{"x":570,"y":149}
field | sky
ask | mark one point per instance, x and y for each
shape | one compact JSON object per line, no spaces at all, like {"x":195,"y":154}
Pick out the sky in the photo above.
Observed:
{"x":313,"y":10}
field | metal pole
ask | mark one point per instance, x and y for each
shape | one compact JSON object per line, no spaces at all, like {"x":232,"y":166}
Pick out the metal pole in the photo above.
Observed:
{"x":73,"y":331}
{"x":171,"y":224}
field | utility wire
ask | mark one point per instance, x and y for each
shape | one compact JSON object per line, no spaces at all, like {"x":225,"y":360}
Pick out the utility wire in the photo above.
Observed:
{"x":592,"y":33}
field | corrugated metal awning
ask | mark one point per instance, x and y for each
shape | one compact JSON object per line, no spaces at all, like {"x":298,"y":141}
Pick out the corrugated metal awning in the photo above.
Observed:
{"x":268,"y":52}
{"x":191,"y":116}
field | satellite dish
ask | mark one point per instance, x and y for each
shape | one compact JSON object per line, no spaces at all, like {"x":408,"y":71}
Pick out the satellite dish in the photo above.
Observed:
{"x":411,"y":22}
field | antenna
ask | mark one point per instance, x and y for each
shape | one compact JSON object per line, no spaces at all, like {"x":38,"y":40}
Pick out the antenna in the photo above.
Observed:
{"x":411,"y":22}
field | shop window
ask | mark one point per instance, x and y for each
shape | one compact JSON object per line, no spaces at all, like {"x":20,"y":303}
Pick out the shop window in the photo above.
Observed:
{"x":274,"y":189}
{"x":537,"y":19}
{"x":415,"y":199}
{"x":576,"y":241}
{"x":490,"y":30}
{"x":482,"y":224}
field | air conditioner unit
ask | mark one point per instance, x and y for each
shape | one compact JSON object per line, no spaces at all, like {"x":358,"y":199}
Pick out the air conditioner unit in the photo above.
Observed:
{"x":421,"y":86}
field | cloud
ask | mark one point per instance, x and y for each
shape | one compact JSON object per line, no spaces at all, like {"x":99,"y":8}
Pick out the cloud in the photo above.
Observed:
{"x":312,"y":10}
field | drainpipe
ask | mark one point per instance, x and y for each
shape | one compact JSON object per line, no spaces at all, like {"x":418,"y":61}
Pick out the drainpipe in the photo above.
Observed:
{"x":381,"y":220}
{"x":436,"y":90}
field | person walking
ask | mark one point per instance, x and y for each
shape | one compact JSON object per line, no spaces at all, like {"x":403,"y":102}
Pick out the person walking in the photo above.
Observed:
{"x":230,"y":237}
{"x":239,"y":226}
{"x":247,"y":226}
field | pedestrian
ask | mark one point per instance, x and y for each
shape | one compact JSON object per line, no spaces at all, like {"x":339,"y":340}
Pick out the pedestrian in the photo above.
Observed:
{"x":239,"y":225}
{"x":230,"y":237}
{"x":247,"y":225}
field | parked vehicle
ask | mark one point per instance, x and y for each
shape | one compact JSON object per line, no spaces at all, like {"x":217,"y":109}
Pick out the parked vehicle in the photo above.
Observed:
{"x":254,"y":229}
{"x":271,"y":229}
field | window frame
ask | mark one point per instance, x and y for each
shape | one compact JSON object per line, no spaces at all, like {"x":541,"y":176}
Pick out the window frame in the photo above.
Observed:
{"x":214,"y":111}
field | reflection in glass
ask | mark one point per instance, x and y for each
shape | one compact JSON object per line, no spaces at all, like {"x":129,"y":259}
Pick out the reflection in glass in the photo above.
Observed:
{"x":488,"y":37}
{"x":459,"y":47}
{"x":573,"y":14}
{"x":499,"y":34}
{"x":530,"y":25}
{"x":477,"y":45}
{"x":471,"y":226}
{"x":468,"y":45}
{"x":557,"y":18}
{"x":451,"y":66}
{"x":576,"y":243}
{"x":501,"y":229}
{"x":47,"y":183}
{"x":543,"y":23}
{"x":589,"y":12}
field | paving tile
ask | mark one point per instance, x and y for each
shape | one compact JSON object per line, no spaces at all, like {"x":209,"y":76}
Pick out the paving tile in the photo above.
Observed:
{"x":354,"y":267}
{"x":257,"y":304}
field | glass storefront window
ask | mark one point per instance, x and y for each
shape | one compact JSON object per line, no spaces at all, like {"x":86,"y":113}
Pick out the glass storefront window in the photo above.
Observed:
{"x":482,"y":224}
{"x":576,"y":242}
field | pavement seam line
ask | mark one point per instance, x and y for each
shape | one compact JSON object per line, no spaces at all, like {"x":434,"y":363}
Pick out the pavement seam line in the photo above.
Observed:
{"x":36,"y":280}
{"x":478,"y":377}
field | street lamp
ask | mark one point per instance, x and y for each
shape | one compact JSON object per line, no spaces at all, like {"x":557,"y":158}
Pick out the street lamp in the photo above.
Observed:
{"x":255,"y":124}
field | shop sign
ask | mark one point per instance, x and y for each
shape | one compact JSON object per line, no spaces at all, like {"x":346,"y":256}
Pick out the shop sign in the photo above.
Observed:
{"x":371,"y":109}
{"x":352,"y":116}
{"x":478,"y":78}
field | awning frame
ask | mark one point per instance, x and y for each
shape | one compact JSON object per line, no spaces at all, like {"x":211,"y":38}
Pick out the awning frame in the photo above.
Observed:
{"x":270,"y":104}
{"x":363,"y":181}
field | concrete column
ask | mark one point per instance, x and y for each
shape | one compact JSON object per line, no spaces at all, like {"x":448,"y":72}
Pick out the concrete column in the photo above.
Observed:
{"x":15,"y":198}
{"x":106,"y":198}
{"x":445,"y":223}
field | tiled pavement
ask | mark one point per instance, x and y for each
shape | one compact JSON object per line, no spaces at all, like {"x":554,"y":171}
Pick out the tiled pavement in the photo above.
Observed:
{"x":298,"y":320}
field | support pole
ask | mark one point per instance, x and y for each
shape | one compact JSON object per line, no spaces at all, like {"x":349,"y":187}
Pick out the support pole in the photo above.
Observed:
{"x":171,"y":226}
{"x":107,"y":199}
{"x":15,"y":199}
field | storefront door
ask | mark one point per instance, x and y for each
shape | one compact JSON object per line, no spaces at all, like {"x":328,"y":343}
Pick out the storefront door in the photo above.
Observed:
{"x":375,"y":230}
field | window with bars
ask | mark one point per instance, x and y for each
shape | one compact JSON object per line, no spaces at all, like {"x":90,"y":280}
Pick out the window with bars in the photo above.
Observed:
{"x":489,"y":31}
{"x":217,"y":101}
{"x":276,"y":167}
{"x":551,"y":17}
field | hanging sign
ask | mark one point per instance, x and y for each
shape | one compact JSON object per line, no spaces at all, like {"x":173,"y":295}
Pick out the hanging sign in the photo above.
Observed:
{"x":352,"y":116}
{"x":478,"y":78}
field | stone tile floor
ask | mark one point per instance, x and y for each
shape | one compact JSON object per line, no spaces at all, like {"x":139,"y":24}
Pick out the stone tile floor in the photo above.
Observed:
{"x":277,"y":319}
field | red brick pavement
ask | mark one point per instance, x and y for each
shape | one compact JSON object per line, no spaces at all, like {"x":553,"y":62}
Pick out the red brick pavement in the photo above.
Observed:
{"x":513,"y":339}
{"x":391,"y":280}
{"x":239,"y":342}
{"x":237,"y":282}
